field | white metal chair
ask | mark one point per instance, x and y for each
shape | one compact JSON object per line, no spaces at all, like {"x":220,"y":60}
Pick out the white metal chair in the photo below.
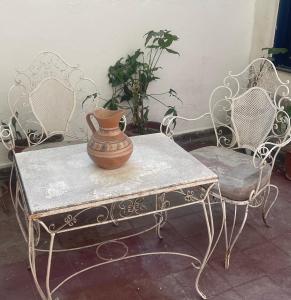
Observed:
{"x":46,"y":100}
{"x":247,"y":113}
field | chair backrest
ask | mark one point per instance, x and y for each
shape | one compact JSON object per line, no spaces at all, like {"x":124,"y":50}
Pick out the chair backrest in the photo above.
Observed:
{"x":252,"y":117}
{"x":53,"y":105}
{"x":248,"y":109}
{"x":261,"y":72}
{"x":47,"y":97}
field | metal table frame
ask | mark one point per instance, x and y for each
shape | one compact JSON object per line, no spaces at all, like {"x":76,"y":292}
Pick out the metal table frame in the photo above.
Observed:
{"x":205,"y":193}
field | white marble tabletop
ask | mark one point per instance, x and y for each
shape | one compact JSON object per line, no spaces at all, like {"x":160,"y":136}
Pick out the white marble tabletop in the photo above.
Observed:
{"x":63,"y":179}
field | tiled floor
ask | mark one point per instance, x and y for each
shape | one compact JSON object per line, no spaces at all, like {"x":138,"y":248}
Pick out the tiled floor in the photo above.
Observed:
{"x":260,"y":266}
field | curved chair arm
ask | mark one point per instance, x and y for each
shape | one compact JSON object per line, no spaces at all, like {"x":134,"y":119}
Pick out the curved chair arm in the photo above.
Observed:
{"x":7,"y":137}
{"x":168,"y":124}
{"x":267,"y":152}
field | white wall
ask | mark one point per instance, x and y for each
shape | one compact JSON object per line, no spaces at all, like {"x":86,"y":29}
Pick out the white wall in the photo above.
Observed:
{"x":264,"y":29}
{"x":264,"y":26}
{"x":215,"y":37}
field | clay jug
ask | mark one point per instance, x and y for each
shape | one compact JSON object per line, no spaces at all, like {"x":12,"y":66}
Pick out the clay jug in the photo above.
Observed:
{"x":108,"y":147}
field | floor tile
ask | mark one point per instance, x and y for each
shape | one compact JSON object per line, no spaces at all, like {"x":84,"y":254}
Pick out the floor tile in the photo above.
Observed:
{"x":16,"y":282}
{"x":283,"y":242}
{"x":167,"y":288}
{"x":282,"y":278}
{"x":268,"y":257}
{"x":228,"y":295}
{"x":261,"y":289}
{"x":211,"y":282}
{"x":242,"y":269}
{"x":260,"y":265}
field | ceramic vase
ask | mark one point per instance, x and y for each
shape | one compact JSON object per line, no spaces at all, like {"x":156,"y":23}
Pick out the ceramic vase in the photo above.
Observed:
{"x":108,"y":147}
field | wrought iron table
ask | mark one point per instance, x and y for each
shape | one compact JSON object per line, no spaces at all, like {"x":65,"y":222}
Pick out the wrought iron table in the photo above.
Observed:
{"x":64,"y":184}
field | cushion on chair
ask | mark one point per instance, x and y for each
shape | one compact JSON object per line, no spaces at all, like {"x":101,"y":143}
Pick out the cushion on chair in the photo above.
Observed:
{"x":236,"y":172}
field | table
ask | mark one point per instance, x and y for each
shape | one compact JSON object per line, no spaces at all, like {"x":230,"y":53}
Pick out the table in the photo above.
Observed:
{"x":65,"y":182}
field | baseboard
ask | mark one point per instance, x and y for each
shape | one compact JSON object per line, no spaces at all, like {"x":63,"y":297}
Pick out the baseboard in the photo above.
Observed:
{"x":196,"y":139}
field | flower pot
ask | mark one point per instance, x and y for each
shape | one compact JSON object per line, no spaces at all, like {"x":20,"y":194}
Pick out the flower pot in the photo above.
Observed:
{"x":150,"y":127}
{"x":108,"y":147}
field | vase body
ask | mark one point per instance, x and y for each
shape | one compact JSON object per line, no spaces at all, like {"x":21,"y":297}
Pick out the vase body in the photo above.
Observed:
{"x":108,"y":147}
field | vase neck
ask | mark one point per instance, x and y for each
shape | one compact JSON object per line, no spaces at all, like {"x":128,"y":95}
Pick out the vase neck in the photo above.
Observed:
{"x":109,"y":131}
{"x":108,"y":119}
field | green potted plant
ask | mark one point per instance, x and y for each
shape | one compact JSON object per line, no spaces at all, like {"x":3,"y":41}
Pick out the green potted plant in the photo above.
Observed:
{"x":130,"y":78}
{"x":270,"y":54}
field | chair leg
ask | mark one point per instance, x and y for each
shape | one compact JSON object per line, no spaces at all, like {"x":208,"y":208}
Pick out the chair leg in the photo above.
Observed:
{"x":22,"y":224}
{"x":12,"y":195}
{"x":232,"y":239}
{"x":265,"y":210}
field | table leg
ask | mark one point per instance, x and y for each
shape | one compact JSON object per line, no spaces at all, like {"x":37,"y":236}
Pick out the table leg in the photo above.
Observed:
{"x":17,"y":206}
{"x":31,"y":256}
{"x":210,"y":229}
{"x":49,"y":262}
{"x":223,"y":222}
{"x":162,"y":216}
{"x":159,"y":216}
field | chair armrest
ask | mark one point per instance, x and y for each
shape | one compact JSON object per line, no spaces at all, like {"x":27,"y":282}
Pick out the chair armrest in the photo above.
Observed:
{"x":169,"y":123}
{"x":266,"y":154}
{"x":7,"y":137}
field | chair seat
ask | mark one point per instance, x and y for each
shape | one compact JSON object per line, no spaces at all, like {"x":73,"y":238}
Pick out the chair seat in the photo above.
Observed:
{"x":236,"y":172}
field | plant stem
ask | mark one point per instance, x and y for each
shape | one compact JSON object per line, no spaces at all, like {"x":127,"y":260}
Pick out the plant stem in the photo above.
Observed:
{"x":150,"y":56}
{"x":151,"y":95}
{"x":158,"y":58}
{"x":151,"y":64}
{"x":142,"y":115}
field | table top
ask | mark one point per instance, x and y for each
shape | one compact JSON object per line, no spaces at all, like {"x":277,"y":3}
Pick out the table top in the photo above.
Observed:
{"x":64,"y":179}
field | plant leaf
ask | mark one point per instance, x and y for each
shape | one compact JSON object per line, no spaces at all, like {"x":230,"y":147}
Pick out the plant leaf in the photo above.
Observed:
{"x":149,"y":35}
{"x":169,"y":111}
{"x":172,"y":111}
{"x":172,"y":51}
{"x":111,"y":104}
{"x":153,"y":46}
{"x":276,"y":51}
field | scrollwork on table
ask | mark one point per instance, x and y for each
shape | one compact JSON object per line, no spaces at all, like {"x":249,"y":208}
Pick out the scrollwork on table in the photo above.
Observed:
{"x":126,"y":209}
{"x":197,"y":194}
{"x":131,"y":207}
{"x":161,"y":202}
{"x":70,"y":220}
{"x":191,"y":197}
{"x":103,"y":216}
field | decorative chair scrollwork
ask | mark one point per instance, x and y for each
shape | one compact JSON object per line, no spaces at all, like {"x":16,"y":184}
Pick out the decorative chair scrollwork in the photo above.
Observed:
{"x":46,"y":100}
{"x":48,"y":76}
{"x":247,"y":113}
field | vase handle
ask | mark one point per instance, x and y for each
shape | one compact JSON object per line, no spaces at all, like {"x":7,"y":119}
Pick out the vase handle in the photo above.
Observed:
{"x":89,"y":121}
